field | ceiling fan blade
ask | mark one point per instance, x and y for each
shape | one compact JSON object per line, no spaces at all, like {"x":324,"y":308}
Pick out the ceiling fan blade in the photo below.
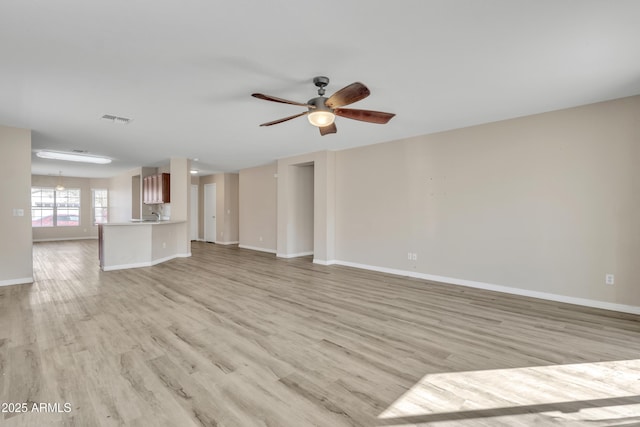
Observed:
{"x":364,"y":115}
{"x":275,"y":122}
{"x":325,"y":130}
{"x":348,"y":95}
{"x":283,"y":101}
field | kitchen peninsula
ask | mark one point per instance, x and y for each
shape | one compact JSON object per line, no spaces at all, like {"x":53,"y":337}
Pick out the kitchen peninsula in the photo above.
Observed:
{"x":140,"y":243}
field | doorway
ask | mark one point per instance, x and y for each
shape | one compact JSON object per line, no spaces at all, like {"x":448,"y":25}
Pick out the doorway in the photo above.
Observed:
{"x":301,"y":207}
{"x":210,"y":213}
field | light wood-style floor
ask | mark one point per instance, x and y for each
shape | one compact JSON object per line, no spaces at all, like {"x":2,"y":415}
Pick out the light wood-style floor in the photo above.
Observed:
{"x":231,"y":337}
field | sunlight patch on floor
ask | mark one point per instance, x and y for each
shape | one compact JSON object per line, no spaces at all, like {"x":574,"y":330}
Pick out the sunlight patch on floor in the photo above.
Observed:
{"x":597,"y":393}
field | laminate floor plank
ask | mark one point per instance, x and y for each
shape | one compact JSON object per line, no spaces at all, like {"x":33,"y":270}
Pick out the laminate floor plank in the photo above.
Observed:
{"x":232,"y":337}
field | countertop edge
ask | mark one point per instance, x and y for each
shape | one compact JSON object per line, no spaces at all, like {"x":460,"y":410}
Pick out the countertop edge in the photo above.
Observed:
{"x":108,"y":224}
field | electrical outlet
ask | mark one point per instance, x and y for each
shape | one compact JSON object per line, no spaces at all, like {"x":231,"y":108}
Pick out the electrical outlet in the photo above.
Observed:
{"x":414,"y":256}
{"x":609,"y":279}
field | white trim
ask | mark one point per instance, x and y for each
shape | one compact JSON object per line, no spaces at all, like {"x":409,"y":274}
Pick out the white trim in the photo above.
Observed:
{"x":226,"y":243}
{"x":299,"y":254}
{"x":65,"y":238}
{"x":498,"y":288}
{"x":324,"y":262}
{"x":20,"y":281}
{"x":255,"y":248}
{"x":145,"y":263}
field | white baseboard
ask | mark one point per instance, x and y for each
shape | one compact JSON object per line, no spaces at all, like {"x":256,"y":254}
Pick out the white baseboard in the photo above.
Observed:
{"x":323,"y":262}
{"x":20,"y":281}
{"x":491,"y":287}
{"x":255,"y":248}
{"x":127,"y":266}
{"x":299,"y":254}
{"x":226,"y":243}
{"x":65,"y":238}
{"x":145,"y":263}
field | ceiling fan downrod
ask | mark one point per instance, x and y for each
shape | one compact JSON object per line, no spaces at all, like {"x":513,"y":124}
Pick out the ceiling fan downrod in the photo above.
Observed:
{"x":321,"y":82}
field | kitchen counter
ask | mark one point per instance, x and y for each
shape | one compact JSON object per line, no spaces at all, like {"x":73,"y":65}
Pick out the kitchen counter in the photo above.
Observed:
{"x":137,"y":244}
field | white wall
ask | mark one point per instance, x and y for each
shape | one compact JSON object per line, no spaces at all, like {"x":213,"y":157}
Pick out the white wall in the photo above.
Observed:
{"x":546,"y":203}
{"x":257,"y":207}
{"x":180,"y":202}
{"x":16,"y":264}
{"x":232,"y":207}
{"x":120,"y":196}
{"x":543,"y":205}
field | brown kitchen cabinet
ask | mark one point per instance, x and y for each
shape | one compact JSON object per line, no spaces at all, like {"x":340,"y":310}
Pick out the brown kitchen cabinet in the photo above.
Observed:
{"x":156,"y":189}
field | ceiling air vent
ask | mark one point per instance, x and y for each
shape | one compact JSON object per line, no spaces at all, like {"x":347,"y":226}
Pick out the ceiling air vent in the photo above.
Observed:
{"x":117,"y":119}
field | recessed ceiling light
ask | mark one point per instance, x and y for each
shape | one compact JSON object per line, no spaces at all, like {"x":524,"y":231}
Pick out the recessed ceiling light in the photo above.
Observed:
{"x":193,"y":171}
{"x":72,"y":157}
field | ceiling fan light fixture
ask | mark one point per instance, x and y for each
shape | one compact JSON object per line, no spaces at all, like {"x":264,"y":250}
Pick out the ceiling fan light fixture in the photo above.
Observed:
{"x":322,"y":111}
{"x":321,"y":118}
{"x":72,"y":157}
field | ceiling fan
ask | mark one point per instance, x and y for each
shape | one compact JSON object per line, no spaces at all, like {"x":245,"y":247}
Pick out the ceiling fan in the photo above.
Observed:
{"x":322,"y":111}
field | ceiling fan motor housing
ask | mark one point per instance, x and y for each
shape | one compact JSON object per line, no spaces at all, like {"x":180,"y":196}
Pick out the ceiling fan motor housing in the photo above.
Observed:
{"x":319,"y":104}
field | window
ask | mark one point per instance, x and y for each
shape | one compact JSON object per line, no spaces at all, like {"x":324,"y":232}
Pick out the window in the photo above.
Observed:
{"x":54,"y":208}
{"x":42,"y":202}
{"x":100,"y":206}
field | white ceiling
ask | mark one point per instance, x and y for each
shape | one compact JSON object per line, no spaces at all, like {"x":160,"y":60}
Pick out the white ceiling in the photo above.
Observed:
{"x":184,"y":71}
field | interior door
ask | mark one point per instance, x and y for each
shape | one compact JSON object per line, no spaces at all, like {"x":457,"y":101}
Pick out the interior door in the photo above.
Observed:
{"x":194,"y":212}
{"x":210,"y":212}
